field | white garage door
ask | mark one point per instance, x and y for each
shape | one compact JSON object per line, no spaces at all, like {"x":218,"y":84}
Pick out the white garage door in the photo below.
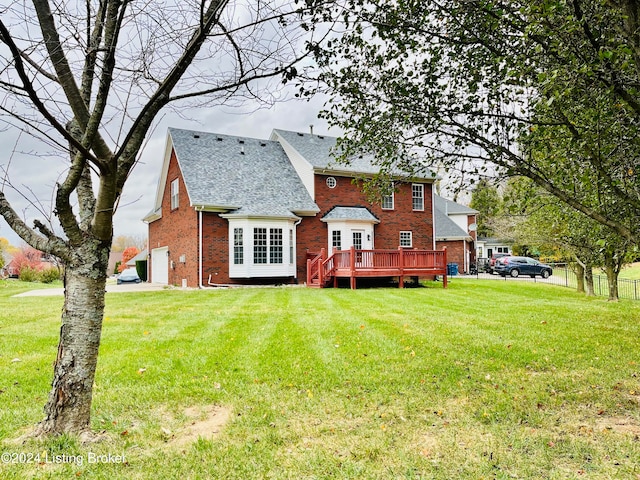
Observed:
{"x":160,"y":265}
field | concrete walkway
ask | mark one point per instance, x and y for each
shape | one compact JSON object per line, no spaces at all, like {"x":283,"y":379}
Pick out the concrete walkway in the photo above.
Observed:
{"x":111,"y":288}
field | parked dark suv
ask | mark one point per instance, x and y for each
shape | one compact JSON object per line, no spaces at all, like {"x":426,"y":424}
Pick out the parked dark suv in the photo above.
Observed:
{"x":515,"y":266}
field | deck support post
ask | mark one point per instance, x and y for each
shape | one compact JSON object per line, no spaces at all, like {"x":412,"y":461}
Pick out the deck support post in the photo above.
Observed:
{"x":444,"y":277}
{"x":401,"y":267}
{"x":352,"y":267}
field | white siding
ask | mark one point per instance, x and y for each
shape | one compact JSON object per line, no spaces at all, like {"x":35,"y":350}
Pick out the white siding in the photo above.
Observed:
{"x":303,"y":168}
{"x":346,"y":228}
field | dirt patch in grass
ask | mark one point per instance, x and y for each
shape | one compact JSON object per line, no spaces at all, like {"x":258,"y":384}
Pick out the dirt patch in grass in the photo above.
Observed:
{"x":621,"y":425}
{"x":203,"y":422}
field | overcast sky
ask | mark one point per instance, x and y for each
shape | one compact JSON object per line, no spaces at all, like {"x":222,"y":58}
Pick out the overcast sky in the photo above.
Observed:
{"x":37,"y":172}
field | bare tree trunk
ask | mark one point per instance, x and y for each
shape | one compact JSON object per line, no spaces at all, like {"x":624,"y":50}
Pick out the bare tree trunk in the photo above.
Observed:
{"x":580,"y":277}
{"x":68,"y":408}
{"x":610,"y":265}
{"x":588,"y":277}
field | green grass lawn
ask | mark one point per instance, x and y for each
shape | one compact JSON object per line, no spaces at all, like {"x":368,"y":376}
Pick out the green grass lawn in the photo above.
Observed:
{"x":631,"y":272}
{"x":481,"y":380}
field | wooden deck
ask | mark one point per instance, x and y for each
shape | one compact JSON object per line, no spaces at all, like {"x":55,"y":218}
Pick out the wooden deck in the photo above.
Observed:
{"x":352,"y":264}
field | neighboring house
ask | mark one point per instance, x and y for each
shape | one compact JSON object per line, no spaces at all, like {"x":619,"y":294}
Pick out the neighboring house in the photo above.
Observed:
{"x":234,"y":210}
{"x":143,"y":255}
{"x":486,"y":247}
{"x":456,"y":230}
{"x":9,"y":269}
{"x":114,"y":259}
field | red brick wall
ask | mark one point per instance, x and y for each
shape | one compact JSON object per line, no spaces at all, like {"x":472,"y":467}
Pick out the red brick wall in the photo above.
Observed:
{"x":178,"y":230}
{"x":455,"y":253}
{"x":313,"y":233}
{"x":215,"y":249}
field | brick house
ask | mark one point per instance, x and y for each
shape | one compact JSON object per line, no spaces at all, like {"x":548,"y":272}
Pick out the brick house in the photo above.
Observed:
{"x":237,"y":210}
{"x":456,"y":230}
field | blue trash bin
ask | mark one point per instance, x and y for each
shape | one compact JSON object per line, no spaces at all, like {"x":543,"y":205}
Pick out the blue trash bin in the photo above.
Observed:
{"x":452,"y":269}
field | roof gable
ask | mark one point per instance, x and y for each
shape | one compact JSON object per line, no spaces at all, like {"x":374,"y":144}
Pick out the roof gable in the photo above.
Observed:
{"x":445,"y":227}
{"x":451,"y":207}
{"x":361,"y":214}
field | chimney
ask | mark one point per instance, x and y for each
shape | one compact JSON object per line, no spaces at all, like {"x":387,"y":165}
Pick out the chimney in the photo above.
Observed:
{"x":311,"y":129}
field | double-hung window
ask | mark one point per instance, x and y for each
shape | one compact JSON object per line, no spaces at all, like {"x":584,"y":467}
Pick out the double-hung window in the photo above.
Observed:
{"x":175,"y":200}
{"x":259,"y":245}
{"x":388,"y":202}
{"x":275,"y":245}
{"x":406,"y":239}
{"x":238,"y":246}
{"x":417,"y":194}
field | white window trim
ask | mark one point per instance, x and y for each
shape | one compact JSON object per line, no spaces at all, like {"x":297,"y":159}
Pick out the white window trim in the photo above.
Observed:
{"x":249,"y":269}
{"x":393,"y":201}
{"x":410,"y":237}
{"x":414,"y":197}
{"x":175,"y":194}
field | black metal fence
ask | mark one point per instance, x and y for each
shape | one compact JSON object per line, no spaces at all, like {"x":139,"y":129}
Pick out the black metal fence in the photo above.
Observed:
{"x":564,"y":276}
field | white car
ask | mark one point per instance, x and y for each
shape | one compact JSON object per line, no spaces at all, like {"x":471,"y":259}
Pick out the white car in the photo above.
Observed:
{"x":129,"y":276}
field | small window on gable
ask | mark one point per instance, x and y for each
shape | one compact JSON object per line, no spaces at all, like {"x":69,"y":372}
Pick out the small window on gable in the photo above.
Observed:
{"x":175,"y":200}
{"x":417,"y":193}
{"x":406,"y":239}
{"x":331,"y":182}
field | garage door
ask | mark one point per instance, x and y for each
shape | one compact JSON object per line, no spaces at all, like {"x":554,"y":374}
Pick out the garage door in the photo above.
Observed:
{"x":160,"y":265}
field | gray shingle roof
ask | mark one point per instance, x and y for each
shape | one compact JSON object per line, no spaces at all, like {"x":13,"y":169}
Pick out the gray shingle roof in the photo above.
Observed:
{"x":317,"y":150}
{"x":444,"y":226}
{"x":350,"y":213}
{"x":248,"y":175}
{"x":449,"y":206}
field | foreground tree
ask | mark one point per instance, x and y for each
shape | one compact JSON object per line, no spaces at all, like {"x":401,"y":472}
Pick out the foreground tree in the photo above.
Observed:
{"x":486,"y":199}
{"x":492,"y":83}
{"x":89,"y":79}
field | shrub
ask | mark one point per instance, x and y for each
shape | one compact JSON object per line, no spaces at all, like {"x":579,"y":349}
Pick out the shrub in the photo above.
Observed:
{"x":49,"y":275}
{"x":141,"y":268}
{"x":28,"y":274}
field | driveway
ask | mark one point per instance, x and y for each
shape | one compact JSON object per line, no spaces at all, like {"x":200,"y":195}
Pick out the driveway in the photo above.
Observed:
{"x":111,"y":288}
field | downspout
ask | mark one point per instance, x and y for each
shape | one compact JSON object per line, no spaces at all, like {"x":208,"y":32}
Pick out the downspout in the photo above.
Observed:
{"x":433,"y":218}
{"x":295,"y":247}
{"x":199,"y":209}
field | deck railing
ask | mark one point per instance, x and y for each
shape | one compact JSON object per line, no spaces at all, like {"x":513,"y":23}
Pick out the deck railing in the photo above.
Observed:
{"x":354,"y":263}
